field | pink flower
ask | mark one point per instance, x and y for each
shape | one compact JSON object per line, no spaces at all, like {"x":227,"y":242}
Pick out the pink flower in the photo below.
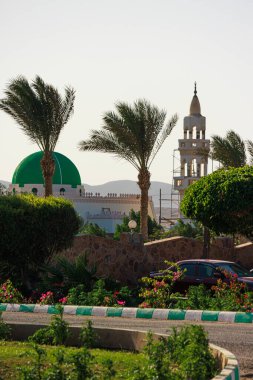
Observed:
{"x":159,"y":284}
{"x":121,"y":303}
{"x":63,"y":300}
{"x":176,"y":275}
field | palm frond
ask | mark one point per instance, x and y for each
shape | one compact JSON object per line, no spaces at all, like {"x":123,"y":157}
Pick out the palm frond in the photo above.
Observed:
{"x":229,"y":151}
{"x":250,"y":150}
{"x":105,"y":142}
{"x":163,"y":136}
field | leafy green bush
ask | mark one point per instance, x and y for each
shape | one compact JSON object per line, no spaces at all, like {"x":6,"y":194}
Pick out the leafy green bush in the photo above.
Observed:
{"x":42,"y":336}
{"x":56,"y":333}
{"x":198,"y":298}
{"x":183,"y":355}
{"x":189,"y":349}
{"x":191,"y":230}
{"x":98,"y":296}
{"x":33,"y":229}
{"x":87,"y":335}
{"x":92,"y":229}
{"x":5,"y":330}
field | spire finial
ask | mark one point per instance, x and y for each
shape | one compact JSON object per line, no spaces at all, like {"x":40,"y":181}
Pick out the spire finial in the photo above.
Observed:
{"x":195,"y":88}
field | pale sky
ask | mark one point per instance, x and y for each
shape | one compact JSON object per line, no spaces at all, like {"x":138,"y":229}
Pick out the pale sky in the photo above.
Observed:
{"x":111,"y":50}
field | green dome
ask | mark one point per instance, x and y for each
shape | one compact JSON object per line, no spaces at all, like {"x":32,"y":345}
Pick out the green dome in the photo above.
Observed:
{"x":29,"y":171}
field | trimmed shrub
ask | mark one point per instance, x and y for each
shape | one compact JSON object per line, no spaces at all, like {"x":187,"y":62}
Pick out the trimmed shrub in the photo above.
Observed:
{"x":222,"y":201}
{"x":33,"y":229}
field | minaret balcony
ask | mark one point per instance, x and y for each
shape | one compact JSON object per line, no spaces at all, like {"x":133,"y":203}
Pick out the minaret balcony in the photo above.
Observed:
{"x":189,"y":144}
{"x":182,"y":182}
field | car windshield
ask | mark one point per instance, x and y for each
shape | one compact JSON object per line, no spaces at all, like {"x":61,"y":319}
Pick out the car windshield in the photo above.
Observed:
{"x":235,"y":269}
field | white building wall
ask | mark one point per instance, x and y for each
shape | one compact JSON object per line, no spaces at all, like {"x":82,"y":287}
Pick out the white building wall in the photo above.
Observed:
{"x":105,"y":211}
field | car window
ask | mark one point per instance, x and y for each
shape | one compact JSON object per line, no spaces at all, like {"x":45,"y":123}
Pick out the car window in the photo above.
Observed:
{"x":190,"y":269}
{"x":205,"y":270}
{"x":235,"y":268}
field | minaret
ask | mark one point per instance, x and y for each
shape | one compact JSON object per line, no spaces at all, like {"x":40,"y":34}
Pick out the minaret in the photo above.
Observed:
{"x":193,"y":148}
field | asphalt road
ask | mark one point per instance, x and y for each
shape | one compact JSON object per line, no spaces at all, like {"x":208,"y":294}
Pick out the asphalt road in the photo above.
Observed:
{"x":236,"y":337}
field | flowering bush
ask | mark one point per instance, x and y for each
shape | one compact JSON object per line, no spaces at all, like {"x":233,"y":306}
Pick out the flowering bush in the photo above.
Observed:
{"x":99,"y":296}
{"x":9,"y":294}
{"x":231,"y":294}
{"x":47,"y":298}
{"x":227,"y":295}
{"x":158,"y":291}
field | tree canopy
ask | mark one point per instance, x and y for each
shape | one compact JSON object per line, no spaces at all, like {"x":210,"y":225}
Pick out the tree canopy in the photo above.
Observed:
{"x":222,"y":201}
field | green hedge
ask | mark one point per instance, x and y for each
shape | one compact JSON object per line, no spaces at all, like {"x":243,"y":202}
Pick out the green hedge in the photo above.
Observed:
{"x":32,"y":229}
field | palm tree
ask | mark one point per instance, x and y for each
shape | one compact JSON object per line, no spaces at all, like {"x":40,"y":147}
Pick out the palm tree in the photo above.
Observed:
{"x":41,"y":113}
{"x":135,"y":134}
{"x":230,"y":151}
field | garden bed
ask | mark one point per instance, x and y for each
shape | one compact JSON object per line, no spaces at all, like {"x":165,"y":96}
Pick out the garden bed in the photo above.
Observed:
{"x":16,"y":354}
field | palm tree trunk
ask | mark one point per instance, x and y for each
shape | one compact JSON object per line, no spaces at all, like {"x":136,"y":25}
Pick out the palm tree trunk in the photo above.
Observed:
{"x":144,"y":184}
{"x":48,"y":166}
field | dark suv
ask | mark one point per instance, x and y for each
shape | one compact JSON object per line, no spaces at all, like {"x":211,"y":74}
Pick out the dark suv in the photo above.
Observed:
{"x":207,"y":272}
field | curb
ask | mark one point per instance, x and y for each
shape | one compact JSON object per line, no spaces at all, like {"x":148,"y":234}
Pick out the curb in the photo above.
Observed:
{"x":131,"y":312}
{"x":231,"y":369}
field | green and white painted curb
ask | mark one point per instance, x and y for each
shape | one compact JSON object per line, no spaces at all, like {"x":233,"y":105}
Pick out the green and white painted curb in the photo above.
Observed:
{"x":231,"y":369}
{"x":131,"y":312}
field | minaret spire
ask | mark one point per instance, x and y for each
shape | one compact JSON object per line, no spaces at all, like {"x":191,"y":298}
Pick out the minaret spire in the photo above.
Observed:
{"x":195,"y":88}
{"x":195,"y":105}
{"x":193,"y":164}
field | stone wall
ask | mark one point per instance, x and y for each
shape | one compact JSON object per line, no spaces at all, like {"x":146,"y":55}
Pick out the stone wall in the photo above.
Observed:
{"x":129,"y":259}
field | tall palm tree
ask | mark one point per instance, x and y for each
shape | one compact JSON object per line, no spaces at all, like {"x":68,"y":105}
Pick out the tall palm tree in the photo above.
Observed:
{"x":41,"y":113}
{"x":135,"y":134}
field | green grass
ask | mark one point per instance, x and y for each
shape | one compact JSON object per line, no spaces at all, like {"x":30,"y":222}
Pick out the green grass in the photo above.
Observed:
{"x":14,"y":355}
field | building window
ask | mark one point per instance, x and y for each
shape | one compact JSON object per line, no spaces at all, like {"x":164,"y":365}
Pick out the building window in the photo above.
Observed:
{"x":62,"y":191}
{"x":35,"y":191}
{"x":179,"y":182}
{"x":106,"y":210}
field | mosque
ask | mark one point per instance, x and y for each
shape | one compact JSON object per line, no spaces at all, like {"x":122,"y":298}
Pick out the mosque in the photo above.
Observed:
{"x":109,"y":210}
{"x":105,"y":210}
